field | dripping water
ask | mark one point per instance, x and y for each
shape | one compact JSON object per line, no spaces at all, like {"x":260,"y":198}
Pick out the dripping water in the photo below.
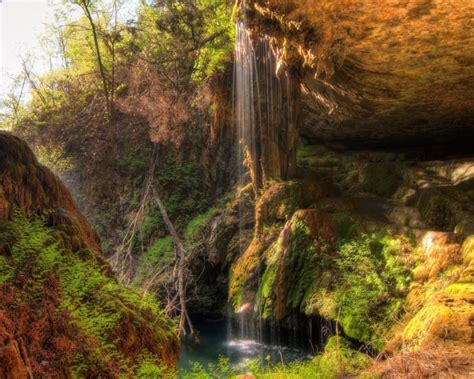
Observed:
{"x":264,"y":112}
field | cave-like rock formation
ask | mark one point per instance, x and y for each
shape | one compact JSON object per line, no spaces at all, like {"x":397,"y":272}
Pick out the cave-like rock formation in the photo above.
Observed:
{"x":377,"y":72}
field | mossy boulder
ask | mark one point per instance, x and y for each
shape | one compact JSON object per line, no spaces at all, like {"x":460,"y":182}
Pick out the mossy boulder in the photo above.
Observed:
{"x":440,"y":207}
{"x":243,"y":280}
{"x":447,"y":317}
{"x":302,"y":243}
{"x":381,"y":178}
{"x":281,"y":199}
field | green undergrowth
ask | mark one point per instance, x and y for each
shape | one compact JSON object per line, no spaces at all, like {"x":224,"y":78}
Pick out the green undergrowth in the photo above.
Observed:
{"x":161,"y":251}
{"x":197,"y":225}
{"x":361,"y":280}
{"x":182,"y":188}
{"x":101,"y":310}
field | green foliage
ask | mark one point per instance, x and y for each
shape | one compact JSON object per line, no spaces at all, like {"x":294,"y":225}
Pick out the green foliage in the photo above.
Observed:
{"x":371,"y":287}
{"x":161,"y":251}
{"x":182,"y":187}
{"x":6,"y":271}
{"x":152,"y":223}
{"x":199,"y":39}
{"x":344,"y":223}
{"x":221,"y":370}
{"x":95,"y":300}
{"x":197,"y":224}
{"x":134,"y":162}
{"x":338,"y":360}
{"x":159,"y":254}
{"x":146,"y":368}
{"x":219,"y":25}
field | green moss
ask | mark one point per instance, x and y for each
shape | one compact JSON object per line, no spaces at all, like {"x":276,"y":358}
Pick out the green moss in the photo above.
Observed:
{"x":373,"y":282}
{"x":243,"y":275}
{"x":197,"y":224}
{"x":300,"y":266}
{"x":340,"y":359}
{"x":278,"y":202}
{"x":307,"y":155}
{"x":264,"y":301}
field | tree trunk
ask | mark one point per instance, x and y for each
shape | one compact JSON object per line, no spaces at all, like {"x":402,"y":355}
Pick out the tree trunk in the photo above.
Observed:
{"x":85,"y":8}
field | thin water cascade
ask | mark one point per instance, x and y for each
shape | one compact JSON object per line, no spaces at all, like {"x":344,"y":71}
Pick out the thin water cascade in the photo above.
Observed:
{"x":266,"y":103}
{"x":266,"y":110}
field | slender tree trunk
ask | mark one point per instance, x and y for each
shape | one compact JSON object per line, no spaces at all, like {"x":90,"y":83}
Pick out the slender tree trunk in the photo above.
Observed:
{"x":112,"y":79}
{"x":181,"y":267}
{"x":85,"y":7}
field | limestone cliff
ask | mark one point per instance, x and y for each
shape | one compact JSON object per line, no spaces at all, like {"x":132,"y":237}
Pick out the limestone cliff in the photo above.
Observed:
{"x":377,"y":72}
{"x":379,"y":241}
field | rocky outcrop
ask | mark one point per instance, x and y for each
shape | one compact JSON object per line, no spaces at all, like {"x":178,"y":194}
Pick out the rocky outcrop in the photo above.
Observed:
{"x":377,"y":73}
{"x":380,"y":242}
{"x":32,"y":188}
{"x":62,"y":313}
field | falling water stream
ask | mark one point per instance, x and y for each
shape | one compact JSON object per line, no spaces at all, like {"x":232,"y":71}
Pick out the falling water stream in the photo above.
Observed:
{"x":264,"y":113}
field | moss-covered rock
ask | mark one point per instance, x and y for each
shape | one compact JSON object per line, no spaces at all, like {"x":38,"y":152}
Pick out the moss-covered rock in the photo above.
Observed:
{"x":60,"y":307}
{"x":439,"y":207}
{"x":381,"y":178}
{"x":281,"y":199}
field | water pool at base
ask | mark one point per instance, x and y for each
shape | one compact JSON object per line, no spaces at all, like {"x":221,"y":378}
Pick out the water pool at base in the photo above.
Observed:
{"x":215,"y":340}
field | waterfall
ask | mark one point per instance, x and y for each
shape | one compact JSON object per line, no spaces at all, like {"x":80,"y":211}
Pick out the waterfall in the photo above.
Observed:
{"x":265,"y":105}
{"x":266,"y":108}
{"x":265,"y":116}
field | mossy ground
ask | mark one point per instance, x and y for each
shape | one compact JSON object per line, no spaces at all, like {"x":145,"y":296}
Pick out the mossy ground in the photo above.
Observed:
{"x":112,"y":330}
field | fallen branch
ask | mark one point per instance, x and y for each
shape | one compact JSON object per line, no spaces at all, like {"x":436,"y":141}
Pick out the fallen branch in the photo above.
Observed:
{"x":180,"y":254}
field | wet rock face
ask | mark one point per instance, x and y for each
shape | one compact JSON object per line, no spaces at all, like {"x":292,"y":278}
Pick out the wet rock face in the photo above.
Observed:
{"x":377,"y":73}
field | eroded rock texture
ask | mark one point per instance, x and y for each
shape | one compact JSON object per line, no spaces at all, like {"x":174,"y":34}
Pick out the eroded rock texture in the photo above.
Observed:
{"x":377,"y":72}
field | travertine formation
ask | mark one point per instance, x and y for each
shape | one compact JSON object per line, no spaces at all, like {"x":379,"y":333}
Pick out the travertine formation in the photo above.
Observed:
{"x":377,"y":72}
